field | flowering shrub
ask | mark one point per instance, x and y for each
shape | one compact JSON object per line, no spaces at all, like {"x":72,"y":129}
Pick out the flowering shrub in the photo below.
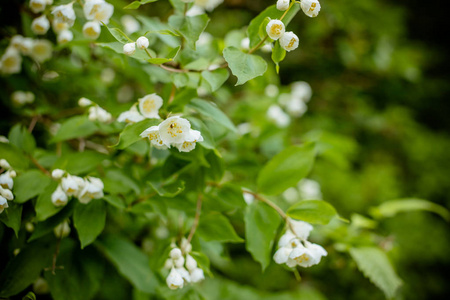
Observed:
{"x":134,"y":168}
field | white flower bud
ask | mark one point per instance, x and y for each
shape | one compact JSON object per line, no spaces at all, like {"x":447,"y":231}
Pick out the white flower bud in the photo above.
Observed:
{"x":3,"y":204}
{"x":65,"y":14}
{"x":6,"y":181}
{"x":191,"y":263}
{"x":41,"y":50}
{"x":129,"y":48}
{"x":93,"y":189}
{"x":21,"y":97}
{"x":37,"y":6}
{"x":184,"y":273}
{"x":92,"y":30}
{"x":11,"y":61}
{"x":26,"y":46}
{"x":311,"y":8}
{"x":4,"y":164}
{"x":174,"y":280}
{"x":275,"y":29}
{"x":197,"y":275}
{"x":62,"y":230}
{"x":29,"y":227}
{"x":11,"y":173}
{"x":65,"y":36}
{"x":277,"y":115}
{"x":185,"y":245}
{"x":179,"y":262}
{"x":69,"y":185}
{"x":142,"y":42}
{"x":7,"y":194}
{"x":40,"y":25}
{"x":40,"y":286}
{"x":59,"y":26}
{"x":289,"y":41}
{"x":59,"y":198}
{"x":283,"y":5}
{"x":168,"y":264}
{"x":84,"y":102}
{"x":16,"y":41}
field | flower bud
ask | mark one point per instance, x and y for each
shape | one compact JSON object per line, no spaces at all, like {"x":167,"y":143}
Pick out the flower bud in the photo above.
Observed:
{"x":142,"y":42}
{"x":11,"y":61}
{"x":3,"y":204}
{"x":4,"y":164}
{"x":197,"y":275}
{"x":84,"y":102}
{"x":311,"y":8}
{"x":65,"y":14}
{"x":174,"y":280}
{"x":179,"y":262}
{"x":62,"y":230}
{"x":283,"y":5}
{"x":6,"y":193}
{"x":91,"y":30}
{"x":65,"y":36}
{"x":40,"y":25}
{"x":289,"y":41}
{"x":191,"y":263}
{"x":59,"y":198}
{"x":21,"y":97}
{"x":41,"y":50}
{"x":129,"y":48}
{"x":37,"y":5}
{"x":57,"y":173}
{"x":275,"y":29}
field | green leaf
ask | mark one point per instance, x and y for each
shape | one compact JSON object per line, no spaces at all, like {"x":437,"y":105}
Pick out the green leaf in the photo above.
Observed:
{"x":202,"y":261}
{"x":278,"y":54}
{"x":75,"y":127}
{"x":312,"y":211}
{"x":130,"y":262}
{"x":22,"y":139}
{"x":89,"y":220}
{"x":286,"y":169}
{"x":14,"y":156}
{"x":167,"y":189}
{"x":118,"y":182}
{"x":215,"y":78}
{"x":44,"y":206}
{"x":29,"y":296}
{"x":130,"y":134}
{"x":117,"y":47}
{"x":391,"y":208}
{"x":12,"y":216}
{"x":114,"y":201}
{"x":25,"y":268}
{"x":261,"y":224}
{"x":375,"y":265}
{"x":29,"y":184}
{"x":215,"y":227}
{"x":170,"y":57}
{"x":189,"y":27}
{"x":244,"y":66}
{"x":119,"y":35}
{"x":79,"y":162}
{"x":211,"y":111}
{"x":137,"y":4}
{"x":155,"y":25}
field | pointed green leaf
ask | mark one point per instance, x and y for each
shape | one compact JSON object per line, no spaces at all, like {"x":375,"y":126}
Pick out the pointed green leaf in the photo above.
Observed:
{"x":89,"y":220}
{"x":216,"y":227}
{"x":391,"y":208}
{"x":12,"y":216}
{"x":210,"y":110}
{"x":29,"y":184}
{"x":312,"y":211}
{"x":243,"y":65}
{"x":130,"y":134}
{"x":215,"y":78}
{"x":22,"y":139}
{"x":119,"y":35}
{"x":75,"y":127}
{"x":189,"y":27}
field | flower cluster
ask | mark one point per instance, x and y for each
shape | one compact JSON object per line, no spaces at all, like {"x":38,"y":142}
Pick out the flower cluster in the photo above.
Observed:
{"x":84,"y":189}
{"x":173,"y":131}
{"x":96,"y":113}
{"x":6,"y":184}
{"x":149,"y":106}
{"x":21,"y":97}
{"x":183,"y":267}
{"x":142,"y":43}
{"x":295,"y":250}
{"x":96,"y":12}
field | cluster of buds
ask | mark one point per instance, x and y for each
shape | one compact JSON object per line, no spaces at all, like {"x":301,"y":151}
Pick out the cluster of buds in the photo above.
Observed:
{"x":96,"y":113}
{"x":174,"y":131}
{"x":21,"y":97}
{"x":149,"y":106}
{"x":6,"y":184}
{"x":294,"y":249}
{"x":84,"y":189}
{"x":141,"y":43}
{"x":183,"y":267}
{"x":38,"y":49}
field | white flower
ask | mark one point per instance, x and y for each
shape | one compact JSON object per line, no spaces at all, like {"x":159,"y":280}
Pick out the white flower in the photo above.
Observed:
{"x":306,"y":256}
{"x":197,"y":275}
{"x":84,"y":102}
{"x":282,"y":255}
{"x":174,"y":280}
{"x":311,"y":8}
{"x":59,"y":26}
{"x":184,"y":273}
{"x":289,"y":41}
{"x":149,"y":105}
{"x":248,"y":198}
{"x":65,"y":36}
{"x":3,"y":204}
{"x":4,"y":164}
{"x":275,"y":29}
{"x":277,"y":115}
{"x":131,"y":116}
{"x":168,"y":264}
{"x":41,"y":50}
{"x":142,"y":42}
{"x":26,"y":46}
{"x":93,"y":189}
{"x":174,"y":130}
{"x":195,"y":11}
{"x":192,"y":138}
{"x":271,"y":90}
{"x":6,"y":180}
{"x":152,"y":133}
{"x":40,"y":25}
{"x":16,"y":41}
{"x":302,"y":90}
{"x":92,"y":30}
{"x":59,"y":198}
{"x":37,"y":5}
{"x":175,"y":253}
{"x":98,"y":10}
{"x":57,"y":174}
{"x":11,"y":61}
{"x":286,"y":238}
{"x":21,"y":97}
{"x":129,"y":48}
{"x":296,"y":107}
{"x":130,"y":24}
{"x":96,"y":181}
{"x":96,"y":113}
{"x":300,"y":229}
{"x":107,"y":75}
{"x":185,"y":245}
{"x":191,"y":263}
{"x":65,"y":14}
{"x":62,"y":230}
{"x":209,"y":5}
{"x":70,"y":185}
{"x":6,"y":193}
{"x":179,"y":262}
{"x":283,"y":4}
{"x":309,"y":189}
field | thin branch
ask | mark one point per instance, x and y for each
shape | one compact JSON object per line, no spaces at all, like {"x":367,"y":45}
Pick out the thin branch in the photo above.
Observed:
{"x":44,"y":170}
{"x":198,"y":211}
{"x":33,"y":123}
{"x":172,"y":94}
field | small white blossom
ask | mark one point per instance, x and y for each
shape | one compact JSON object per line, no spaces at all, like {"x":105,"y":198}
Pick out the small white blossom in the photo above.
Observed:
{"x":168,"y":264}
{"x":289,"y":41}
{"x":191,"y":263}
{"x":40,"y":25}
{"x":21,"y":97}
{"x":306,"y":256}
{"x":129,"y":48}
{"x":93,"y":189}
{"x":16,"y":41}
{"x":131,"y":116}
{"x":11,"y":61}
{"x":130,"y":24}
{"x":4,"y":164}
{"x":277,"y":115}
{"x":174,"y":280}
{"x":311,"y":8}
{"x":59,"y":198}
{"x":184,"y":273}
{"x":188,"y":145}
{"x":152,"y":133}
{"x":296,"y":107}
{"x":300,"y":229}
{"x":98,"y":10}
{"x":282,"y":255}
{"x":65,"y":14}
{"x":175,"y":253}
{"x":286,"y":238}
{"x":185,"y":245}
{"x":92,"y":30}
{"x":37,"y":6}
{"x":6,"y":193}
{"x":84,"y":102}
{"x":302,"y":90}
{"x":65,"y":36}
{"x":107,"y":76}
{"x":197,"y":275}
{"x":271,"y":90}
{"x":179,"y":262}
{"x":57,"y":174}
{"x":309,"y":189}
{"x":41,"y":50}
{"x":6,"y":180}
{"x":283,"y":4}
{"x":149,"y":105}
{"x":275,"y":29}
{"x":96,"y":113}
{"x":70,"y":185}
{"x":174,"y":130}
{"x":3,"y":204}
{"x":248,"y":198}
{"x":59,"y":26}
{"x":142,"y":42}
{"x":62,"y":230}
{"x":26,"y":46}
